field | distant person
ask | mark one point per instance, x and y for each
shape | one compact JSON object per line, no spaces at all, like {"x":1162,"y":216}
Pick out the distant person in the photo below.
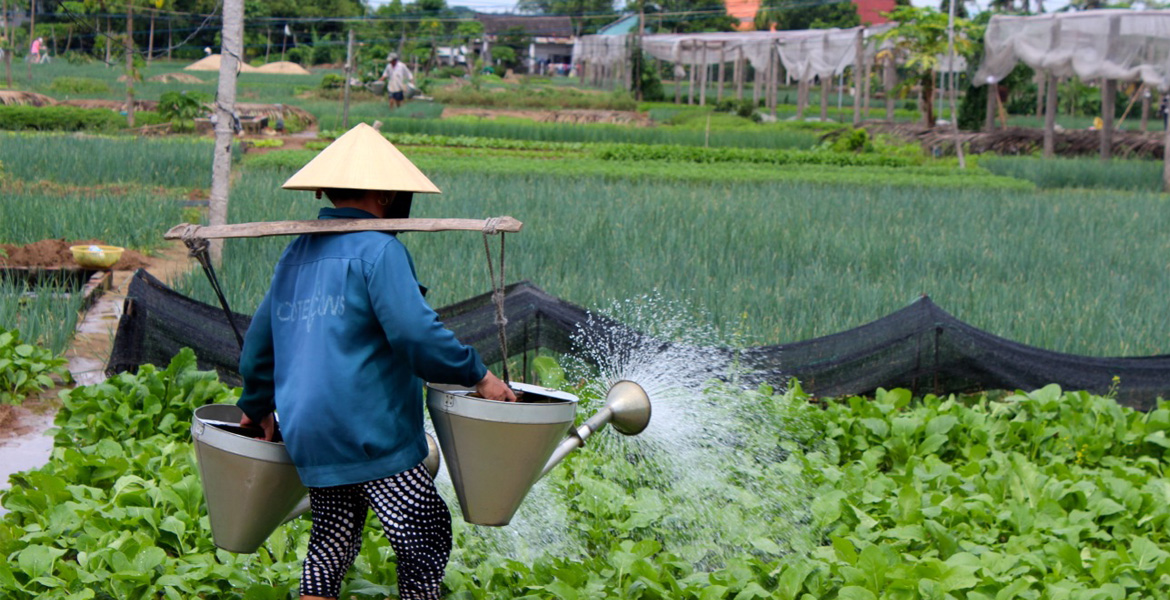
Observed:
{"x":397,"y":77}
{"x":1164,"y":109}
{"x":35,"y":51}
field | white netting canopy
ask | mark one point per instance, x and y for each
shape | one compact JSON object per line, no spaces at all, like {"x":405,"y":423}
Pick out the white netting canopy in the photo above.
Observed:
{"x":806,"y":54}
{"x":1124,"y":45}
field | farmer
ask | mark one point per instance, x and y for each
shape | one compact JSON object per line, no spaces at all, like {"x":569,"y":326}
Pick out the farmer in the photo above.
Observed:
{"x":340,"y":347}
{"x":397,"y":77}
{"x":35,"y":51}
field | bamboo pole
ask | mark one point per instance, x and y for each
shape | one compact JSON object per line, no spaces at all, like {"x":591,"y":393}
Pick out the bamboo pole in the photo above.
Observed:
{"x":276,"y":228}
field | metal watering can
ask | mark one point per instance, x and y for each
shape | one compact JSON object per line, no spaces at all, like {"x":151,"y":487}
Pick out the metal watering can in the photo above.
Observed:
{"x":495,"y":451}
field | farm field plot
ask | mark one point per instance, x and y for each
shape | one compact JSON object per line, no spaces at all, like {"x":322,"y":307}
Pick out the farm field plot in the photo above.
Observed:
{"x":1079,"y":272}
{"x":732,"y":493}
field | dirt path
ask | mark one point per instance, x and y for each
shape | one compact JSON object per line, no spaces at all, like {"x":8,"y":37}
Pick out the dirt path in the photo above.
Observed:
{"x":24,"y":444}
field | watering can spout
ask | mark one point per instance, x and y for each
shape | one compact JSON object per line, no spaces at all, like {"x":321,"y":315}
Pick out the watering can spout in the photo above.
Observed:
{"x":627,"y":409}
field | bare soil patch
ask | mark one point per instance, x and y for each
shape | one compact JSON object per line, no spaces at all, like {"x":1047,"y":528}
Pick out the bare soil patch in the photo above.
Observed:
{"x":56,"y":254}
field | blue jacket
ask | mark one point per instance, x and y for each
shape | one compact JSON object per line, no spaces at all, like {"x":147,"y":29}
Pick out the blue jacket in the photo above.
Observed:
{"x":339,"y":348}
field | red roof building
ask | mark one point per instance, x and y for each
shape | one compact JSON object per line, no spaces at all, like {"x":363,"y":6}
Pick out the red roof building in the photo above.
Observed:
{"x":870,"y":11}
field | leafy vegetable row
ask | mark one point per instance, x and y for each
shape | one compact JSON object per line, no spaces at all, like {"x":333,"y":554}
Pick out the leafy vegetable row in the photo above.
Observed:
{"x":1047,"y":494}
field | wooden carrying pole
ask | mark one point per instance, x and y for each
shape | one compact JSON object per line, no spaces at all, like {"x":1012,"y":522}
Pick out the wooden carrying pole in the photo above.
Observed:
{"x":273,"y":228}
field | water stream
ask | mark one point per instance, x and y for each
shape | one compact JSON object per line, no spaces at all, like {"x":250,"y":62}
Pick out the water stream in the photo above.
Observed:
{"x":709,"y":473}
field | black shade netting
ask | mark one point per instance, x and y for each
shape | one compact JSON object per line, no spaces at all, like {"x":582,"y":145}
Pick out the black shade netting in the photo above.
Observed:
{"x":921,"y":347}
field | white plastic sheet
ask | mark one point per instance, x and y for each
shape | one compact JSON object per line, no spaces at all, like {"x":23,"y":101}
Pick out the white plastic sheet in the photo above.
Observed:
{"x":806,"y":54}
{"x":1125,"y":45}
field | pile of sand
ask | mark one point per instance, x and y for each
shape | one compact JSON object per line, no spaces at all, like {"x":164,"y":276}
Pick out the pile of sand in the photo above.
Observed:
{"x":18,"y":98}
{"x":283,"y":67}
{"x":211,"y":63}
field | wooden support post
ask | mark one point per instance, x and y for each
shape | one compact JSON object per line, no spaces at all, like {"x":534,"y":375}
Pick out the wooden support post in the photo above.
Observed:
{"x":1108,"y":108}
{"x":801,"y":98}
{"x":1109,"y":97}
{"x":129,"y":51}
{"x":1166,"y":160}
{"x":348,"y":76}
{"x":677,"y":83}
{"x":866,"y":74}
{"x":826,"y":91}
{"x":1050,"y":103}
{"x":704,"y":77}
{"x":858,"y":59}
{"x":989,"y":116}
{"x":889,"y":82}
{"x":722,"y":70}
{"x":756,"y":86}
{"x":1145,"y":109}
{"x":1040,"y":94}
{"x":741,"y":73}
{"x":691,"y":88}
{"x":773,"y":79}
{"x":1050,"y":115}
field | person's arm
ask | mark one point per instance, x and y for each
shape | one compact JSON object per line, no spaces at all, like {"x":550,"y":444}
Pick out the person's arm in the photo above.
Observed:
{"x":415,"y":333}
{"x":257,"y":364}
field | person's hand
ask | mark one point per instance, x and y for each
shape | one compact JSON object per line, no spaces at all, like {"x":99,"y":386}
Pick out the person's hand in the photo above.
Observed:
{"x":268,"y":424}
{"x":492,"y":388}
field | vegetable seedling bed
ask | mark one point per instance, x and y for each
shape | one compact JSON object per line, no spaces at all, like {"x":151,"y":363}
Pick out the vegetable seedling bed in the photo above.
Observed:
{"x":90,"y":283}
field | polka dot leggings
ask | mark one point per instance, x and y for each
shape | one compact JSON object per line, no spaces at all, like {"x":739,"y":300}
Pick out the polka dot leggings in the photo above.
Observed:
{"x":413,"y":515}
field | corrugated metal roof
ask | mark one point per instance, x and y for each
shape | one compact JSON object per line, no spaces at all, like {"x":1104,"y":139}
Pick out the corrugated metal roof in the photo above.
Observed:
{"x":534,"y":26}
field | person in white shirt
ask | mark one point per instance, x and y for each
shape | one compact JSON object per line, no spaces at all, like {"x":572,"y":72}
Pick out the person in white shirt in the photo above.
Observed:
{"x":397,"y":77}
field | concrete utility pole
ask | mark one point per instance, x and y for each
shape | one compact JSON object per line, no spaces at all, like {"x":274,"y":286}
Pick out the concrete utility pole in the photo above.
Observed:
{"x":130,"y":64}
{"x":231,"y":53}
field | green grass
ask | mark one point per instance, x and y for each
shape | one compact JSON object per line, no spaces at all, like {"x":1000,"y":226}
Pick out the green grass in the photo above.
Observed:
{"x":81,"y":159}
{"x":578,"y":164}
{"x":1091,"y":173}
{"x":132,"y":218}
{"x":44,"y":315}
{"x":1075,"y":272}
{"x":777,"y":137}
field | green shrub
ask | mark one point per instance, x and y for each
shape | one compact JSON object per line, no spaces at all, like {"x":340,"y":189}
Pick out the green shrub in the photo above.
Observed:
{"x":77,"y":58}
{"x":332,"y":81}
{"x":59,"y":118}
{"x":181,"y":108}
{"x":851,"y":140}
{"x":79,"y":85}
{"x":26,"y":369}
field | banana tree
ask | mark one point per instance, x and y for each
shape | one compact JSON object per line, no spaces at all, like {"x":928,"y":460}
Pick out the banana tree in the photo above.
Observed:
{"x":921,"y":37}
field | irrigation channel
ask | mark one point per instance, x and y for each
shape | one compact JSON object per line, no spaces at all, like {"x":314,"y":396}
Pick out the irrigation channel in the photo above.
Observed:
{"x":705,"y":436}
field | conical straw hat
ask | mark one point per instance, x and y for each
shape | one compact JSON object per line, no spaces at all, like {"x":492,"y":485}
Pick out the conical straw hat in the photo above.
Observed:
{"x":361,"y":160}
